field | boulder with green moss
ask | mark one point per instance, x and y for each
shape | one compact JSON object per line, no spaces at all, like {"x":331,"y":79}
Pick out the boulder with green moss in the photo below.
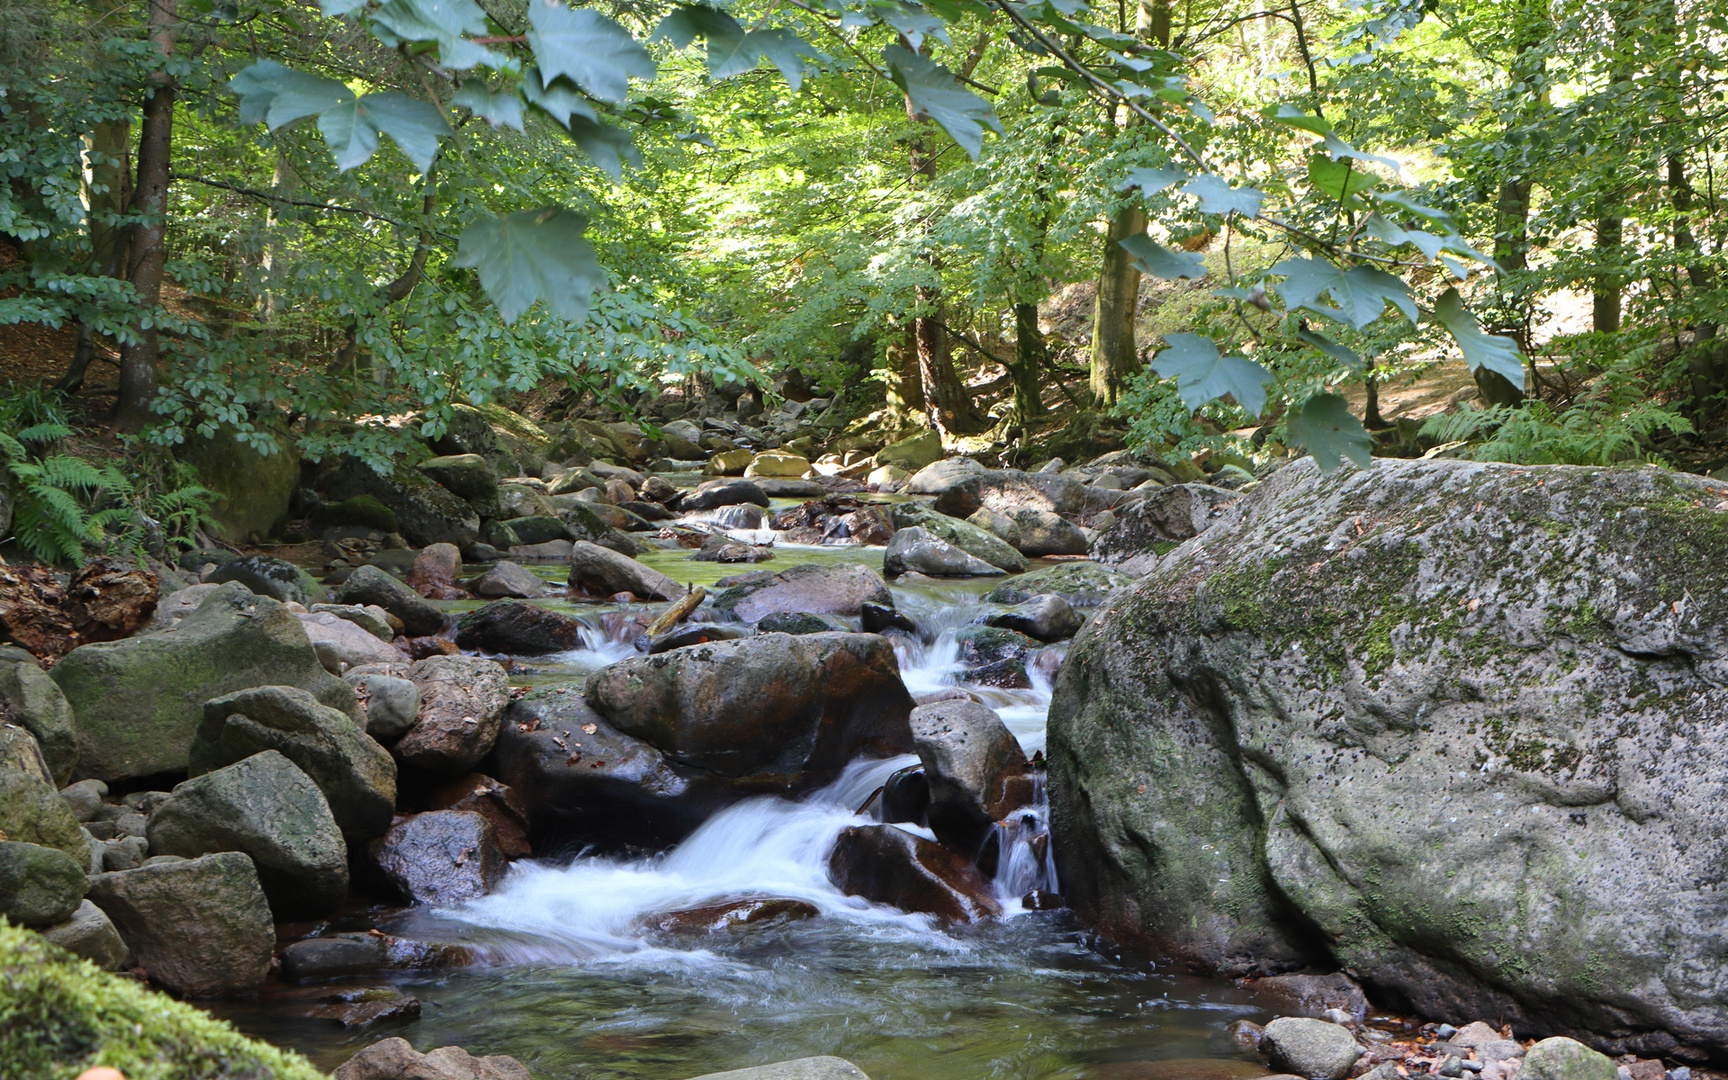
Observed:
{"x":39,"y":886}
{"x":61,"y":1015}
{"x":1082,"y":584}
{"x":361,"y":512}
{"x":32,"y":812}
{"x":139,"y":701}
{"x":964,"y":535}
{"x":426,"y":512}
{"x":252,"y":487}
{"x":29,"y":699}
{"x":1454,"y":727}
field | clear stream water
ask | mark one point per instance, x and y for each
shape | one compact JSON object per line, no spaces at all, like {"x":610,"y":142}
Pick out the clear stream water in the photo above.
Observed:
{"x":578,"y":986}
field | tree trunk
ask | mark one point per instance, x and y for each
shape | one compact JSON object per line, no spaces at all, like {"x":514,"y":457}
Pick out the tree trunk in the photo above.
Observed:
{"x":1605,"y":286}
{"x":1031,"y":355}
{"x":1113,"y":355}
{"x":347,"y":358}
{"x":905,"y":383}
{"x":149,"y":253}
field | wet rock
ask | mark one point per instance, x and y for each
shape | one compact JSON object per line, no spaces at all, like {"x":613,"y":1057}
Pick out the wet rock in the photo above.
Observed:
{"x":1082,"y":584}
{"x":517,"y":628}
{"x":509,"y":580}
{"x":391,"y":703}
{"x":90,"y":934}
{"x":426,"y":513}
{"x":138,"y":701}
{"x":600,"y":571}
{"x":395,"y":1059}
{"x":840,"y":589}
{"x":355,"y":774}
{"x":1047,"y":618}
{"x":906,"y":796}
{"x":887,"y":865}
{"x":1144,"y":531}
{"x":790,"y":712}
{"x":322,"y":958}
{"x":434,"y":573}
{"x":810,"y":1068}
{"x":200,"y":927}
{"x":534,"y":529}
{"x":964,"y":535}
{"x":969,"y":758}
{"x":495,"y":802}
{"x":368,"y":585}
{"x":32,"y":812}
{"x":1181,"y":1069}
{"x":988,"y":644}
{"x":784,"y":487}
{"x":1312,"y":995}
{"x":441,"y":857}
{"x":876,"y":618}
{"x":354,"y":1007}
{"x":796,"y":622}
{"x":39,"y":886}
{"x":278,"y":579}
{"x":1246,"y":1034}
{"x":1565,"y":1059}
{"x":462,"y":703}
{"x":650,"y":512}
{"x":266,"y":807}
{"x":341,"y":644}
{"x":696,"y":634}
{"x":717,"y":493}
{"x":1312,"y":1048}
{"x":736,"y":915}
{"x":1044,"y":533}
{"x":917,"y":551}
{"x":30,"y":699}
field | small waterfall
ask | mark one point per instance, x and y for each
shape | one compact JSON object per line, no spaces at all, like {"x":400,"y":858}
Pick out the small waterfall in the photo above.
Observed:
{"x":599,"y":648}
{"x":1024,"y":863}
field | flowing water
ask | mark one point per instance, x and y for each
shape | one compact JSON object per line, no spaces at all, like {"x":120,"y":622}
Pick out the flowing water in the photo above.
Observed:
{"x":577,"y":981}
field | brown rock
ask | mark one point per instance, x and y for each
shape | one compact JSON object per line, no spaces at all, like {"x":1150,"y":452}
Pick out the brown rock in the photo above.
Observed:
{"x":441,"y":857}
{"x":892,"y":866}
{"x":733,"y":915}
{"x":109,"y":599}
{"x":462,"y":700}
{"x":493,"y":801}
{"x":1311,"y":995}
{"x":395,"y":1059}
{"x":363,"y":1007}
{"x":434,"y":573}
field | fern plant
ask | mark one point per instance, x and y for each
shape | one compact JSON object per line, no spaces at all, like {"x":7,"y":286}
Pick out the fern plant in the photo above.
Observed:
{"x":51,"y":515}
{"x":1591,"y":432}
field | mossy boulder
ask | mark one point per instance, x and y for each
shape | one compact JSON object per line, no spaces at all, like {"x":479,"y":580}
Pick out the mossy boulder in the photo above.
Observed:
{"x":426,"y":513}
{"x":964,"y":535}
{"x":139,"y":701}
{"x":252,"y":487}
{"x":32,"y":812}
{"x":1453,"y":727}
{"x":39,"y":886}
{"x":913,"y":452}
{"x":30,"y":699}
{"x":1082,"y":584}
{"x":276,"y":578}
{"x":361,"y":511}
{"x":61,"y":1015}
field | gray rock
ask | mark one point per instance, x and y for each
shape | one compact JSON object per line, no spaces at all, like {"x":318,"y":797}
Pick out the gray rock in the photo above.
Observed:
{"x":960,"y":491}
{"x":39,"y":886}
{"x":913,"y":452}
{"x":138,"y":701}
{"x":1047,"y":618}
{"x":913,"y":550}
{"x":30,"y":699}
{"x":85,"y":798}
{"x":810,"y":1068}
{"x":997,"y":524}
{"x":517,"y":628}
{"x":125,"y":853}
{"x":342,"y":644}
{"x":1312,"y":995}
{"x":1082,"y":584}
{"x":965,"y":535}
{"x":467,"y":476}
{"x":90,"y":934}
{"x":1417,"y":702}
{"x":32,"y":812}
{"x":426,"y":513}
{"x":391,"y":704}
{"x":601,"y":571}
{"x":583,"y":522}
{"x":1312,"y":1048}
{"x":20,"y":753}
{"x":395,"y":1059}
{"x":266,"y":807}
{"x":265,"y":575}
{"x":838,"y":589}
{"x":332,"y":957}
{"x":356,"y":775}
{"x":522,"y":500}
{"x":970,"y":757}
{"x":368,"y":617}
{"x":1166,"y":517}
{"x":1565,"y":1059}
{"x":789,"y":711}
{"x":1045,"y":533}
{"x":462,"y":703}
{"x":441,"y":857}
{"x":200,"y":927}
{"x":369,"y":585}
{"x":508,"y":579}
{"x":717,"y":493}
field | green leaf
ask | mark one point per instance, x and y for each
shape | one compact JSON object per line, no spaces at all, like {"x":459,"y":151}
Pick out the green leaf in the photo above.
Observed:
{"x":498,"y":109}
{"x":1202,"y":375}
{"x":1339,"y":179}
{"x":1159,"y":261}
{"x":348,"y":135}
{"x":1290,"y":116}
{"x":1152,"y":181}
{"x":298,"y":94}
{"x":786,"y":51}
{"x":558,"y":99}
{"x":911,"y":23}
{"x":1361,"y":292}
{"x":1408,"y":202}
{"x":936,"y":95}
{"x":609,"y":147}
{"x":335,"y":8}
{"x":1218,"y":197}
{"x":533,"y":255}
{"x":1481,"y":350}
{"x":694,"y":21}
{"x":414,"y":125}
{"x":431,"y":20}
{"x":1325,"y":427}
{"x":1383,"y":229}
{"x":1339,"y":150}
{"x":257,"y":87}
{"x":1341,"y":353}
{"x":595,"y":53}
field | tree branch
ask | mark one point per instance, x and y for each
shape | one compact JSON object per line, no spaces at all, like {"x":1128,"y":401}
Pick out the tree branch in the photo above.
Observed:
{"x":282,"y":200}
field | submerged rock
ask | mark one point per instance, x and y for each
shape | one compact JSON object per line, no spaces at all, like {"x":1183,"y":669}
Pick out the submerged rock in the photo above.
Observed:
{"x":736,"y":915}
{"x":1418,"y":703}
{"x":810,"y":1068}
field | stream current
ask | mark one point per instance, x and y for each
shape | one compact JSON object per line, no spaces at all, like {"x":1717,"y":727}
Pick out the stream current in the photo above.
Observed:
{"x":576,"y":982}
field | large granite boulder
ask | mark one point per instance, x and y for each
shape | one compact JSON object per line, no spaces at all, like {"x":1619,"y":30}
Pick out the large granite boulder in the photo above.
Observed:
{"x":789,"y":712}
{"x":369,"y":585}
{"x":970,"y":760}
{"x":1082,"y":584}
{"x":200,"y":927}
{"x":252,"y":487}
{"x":961,"y":486}
{"x":356,"y":775}
{"x":30,"y":699}
{"x":1454,"y":727}
{"x":840,"y":589}
{"x":913,"y":550}
{"x":600,"y":571}
{"x":266,"y":807}
{"x":462,"y":703}
{"x":138,"y":701}
{"x":426,"y":512}
{"x":441,"y":857}
{"x":518,"y":628}
{"x":965,"y":535}
{"x":887,"y":865}
{"x":1166,"y":517}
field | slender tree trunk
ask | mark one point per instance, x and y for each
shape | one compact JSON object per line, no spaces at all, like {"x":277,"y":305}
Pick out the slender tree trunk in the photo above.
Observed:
{"x":1605,"y":286}
{"x":138,"y":358}
{"x":347,"y":358}
{"x":1031,"y":356}
{"x":905,"y":384}
{"x":1113,"y":355}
